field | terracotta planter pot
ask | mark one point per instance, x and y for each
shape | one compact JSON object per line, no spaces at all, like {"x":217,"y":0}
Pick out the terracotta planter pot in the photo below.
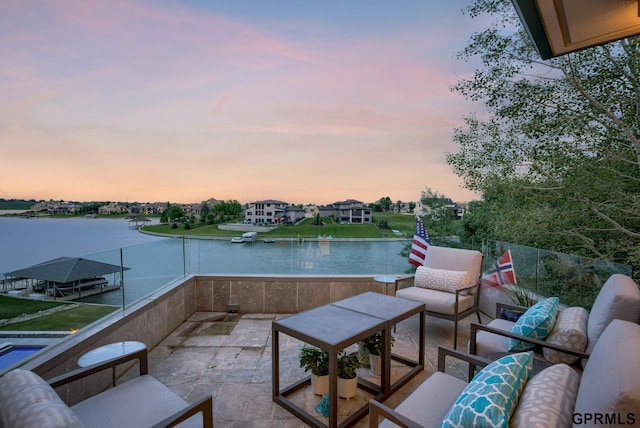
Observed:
{"x":320,"y":384}
{"x":376,"y":365}
{"x":347,"y":388}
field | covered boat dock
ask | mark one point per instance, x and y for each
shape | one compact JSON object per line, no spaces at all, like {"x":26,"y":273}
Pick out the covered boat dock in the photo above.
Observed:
{"x":64,"y":278}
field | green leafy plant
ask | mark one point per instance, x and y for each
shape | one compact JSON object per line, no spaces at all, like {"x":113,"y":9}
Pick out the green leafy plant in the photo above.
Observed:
{"x":348,"y":364}
{"x":374,"y":343}
{"x":314,"y":360}
{"x":520,"y":295}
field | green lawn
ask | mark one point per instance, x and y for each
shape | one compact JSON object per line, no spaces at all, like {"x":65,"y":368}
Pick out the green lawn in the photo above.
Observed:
{"x":11,"y":307}
{"x":75,"y":318}
{"x":403,"y":223}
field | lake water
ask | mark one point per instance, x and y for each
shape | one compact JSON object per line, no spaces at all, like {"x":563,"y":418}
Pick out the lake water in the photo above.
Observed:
{"x":155,"y":261}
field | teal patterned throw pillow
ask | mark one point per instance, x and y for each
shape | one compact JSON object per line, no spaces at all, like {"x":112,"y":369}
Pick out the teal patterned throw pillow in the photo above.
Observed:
{"x":536,"y":323}
{"x":492,"y":396}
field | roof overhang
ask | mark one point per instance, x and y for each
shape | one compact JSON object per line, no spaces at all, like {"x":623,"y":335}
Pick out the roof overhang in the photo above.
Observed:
{"x":558,"y":27}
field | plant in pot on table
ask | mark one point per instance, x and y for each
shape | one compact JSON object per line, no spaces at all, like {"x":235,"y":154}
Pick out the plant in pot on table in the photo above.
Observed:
{"x":348,"y":364}
{"x":317,"y":362}
{"x":373,"y":344}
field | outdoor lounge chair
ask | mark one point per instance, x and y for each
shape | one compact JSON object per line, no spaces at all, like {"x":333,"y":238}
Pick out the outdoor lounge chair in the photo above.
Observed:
{"x":442,"y":287}
{"x":26,"y":400}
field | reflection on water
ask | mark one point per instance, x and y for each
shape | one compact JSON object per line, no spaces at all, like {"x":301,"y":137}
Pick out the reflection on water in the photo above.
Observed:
{"x":156,"y":264}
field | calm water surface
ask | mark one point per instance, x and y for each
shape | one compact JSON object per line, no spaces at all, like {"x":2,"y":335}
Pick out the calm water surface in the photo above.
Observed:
{"x":154,"y":261}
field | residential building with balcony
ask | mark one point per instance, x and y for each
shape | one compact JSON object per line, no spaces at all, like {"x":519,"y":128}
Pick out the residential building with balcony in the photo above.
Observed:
{"x":113,"y":208}
{"x":350,"y":211}
{"x":268,"y":211}
{"x":56,"y":207}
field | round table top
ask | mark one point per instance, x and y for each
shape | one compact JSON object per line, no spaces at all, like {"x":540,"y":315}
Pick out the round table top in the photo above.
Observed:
{"x":109,"y":351}
{"x":387,"y":279}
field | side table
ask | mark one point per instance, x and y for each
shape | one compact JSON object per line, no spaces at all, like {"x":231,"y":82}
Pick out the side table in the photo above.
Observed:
{"x":107,"y":352}
{"x":385,"y":279}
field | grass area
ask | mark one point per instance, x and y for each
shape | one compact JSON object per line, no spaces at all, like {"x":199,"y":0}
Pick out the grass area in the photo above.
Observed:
{"x":404,"y":223}
{"x":11,"y":307}
{"x":74,"y":318}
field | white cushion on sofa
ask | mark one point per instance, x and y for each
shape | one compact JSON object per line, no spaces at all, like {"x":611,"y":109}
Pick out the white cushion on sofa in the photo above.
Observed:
{"x":570,"y":331}
{"x":441,"y":279}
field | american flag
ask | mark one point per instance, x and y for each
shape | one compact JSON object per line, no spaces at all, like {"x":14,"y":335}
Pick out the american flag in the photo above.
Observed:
{"x":501,"y":272}
{"x":421,"y":242}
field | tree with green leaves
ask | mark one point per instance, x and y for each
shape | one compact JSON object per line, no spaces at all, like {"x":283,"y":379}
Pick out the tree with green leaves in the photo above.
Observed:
{"x":437,"y":215}
{"x":175,"y":212}
{"x":556,"y":153}
{"x":385,"y":203}
{"x":204,"y":212}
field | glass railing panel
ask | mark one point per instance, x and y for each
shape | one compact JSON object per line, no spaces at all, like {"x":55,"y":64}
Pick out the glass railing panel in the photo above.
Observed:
{"x":574,"y":279}
{"x":296,"y":256}
{"x":148,"y":267}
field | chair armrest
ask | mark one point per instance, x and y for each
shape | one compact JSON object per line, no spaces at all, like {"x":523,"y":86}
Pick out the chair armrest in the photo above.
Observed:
{"x":444,"y":352}
{"x":204,"y":406}
{"x":510,"y":306}
{"x":476,"y":327}
{"x":467,"y":287}
{"x":377,"y":409}
{"x":400,"y":281}
{"x":77,"y":374}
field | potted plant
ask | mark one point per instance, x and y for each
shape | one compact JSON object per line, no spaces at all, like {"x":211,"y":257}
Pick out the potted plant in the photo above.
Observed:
{"x":348,"y":364}
{"x":373,"y":345}
{"x":317,"y":362}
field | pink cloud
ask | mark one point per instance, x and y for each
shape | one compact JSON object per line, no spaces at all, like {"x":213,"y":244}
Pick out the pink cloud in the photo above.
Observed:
{"x":121,"y":81}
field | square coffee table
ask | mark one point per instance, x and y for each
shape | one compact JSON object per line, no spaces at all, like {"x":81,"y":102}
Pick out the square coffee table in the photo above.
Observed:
{"x":392,"y":310}
{"x":330,"y":328}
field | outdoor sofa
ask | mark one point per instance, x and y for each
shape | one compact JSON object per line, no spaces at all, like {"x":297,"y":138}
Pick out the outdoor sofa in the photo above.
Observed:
{"x":571,"y":335}
{"x":28,"y":401}
{"x":606,"y":393}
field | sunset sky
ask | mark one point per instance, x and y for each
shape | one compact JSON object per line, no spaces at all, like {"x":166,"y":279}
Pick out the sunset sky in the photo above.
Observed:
{"x":181,"y":101}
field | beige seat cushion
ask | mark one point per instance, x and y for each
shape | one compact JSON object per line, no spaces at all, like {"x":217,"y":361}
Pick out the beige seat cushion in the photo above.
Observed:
{"x":431,"y":401}
{"x":489,"y":343}
{"x":141,"y":401}
{"x":455,"y":259}
{"x":435,"y":300}
{"x":610,"y":382}
{"x":619,"y":298}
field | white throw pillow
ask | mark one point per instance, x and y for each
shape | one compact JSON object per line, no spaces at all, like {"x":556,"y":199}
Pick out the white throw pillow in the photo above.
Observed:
{"x":441,"y":279}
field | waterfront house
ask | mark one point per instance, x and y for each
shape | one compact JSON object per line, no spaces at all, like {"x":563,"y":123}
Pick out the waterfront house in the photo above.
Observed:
{"x":350,"y":211}
{"x":269,"y":211}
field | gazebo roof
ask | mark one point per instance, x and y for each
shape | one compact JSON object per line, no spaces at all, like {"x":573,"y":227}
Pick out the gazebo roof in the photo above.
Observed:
{"x":66,"y":269}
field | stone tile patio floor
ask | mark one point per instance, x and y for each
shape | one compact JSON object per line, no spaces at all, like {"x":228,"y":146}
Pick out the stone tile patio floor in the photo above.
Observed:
{"x":229,"y":357}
